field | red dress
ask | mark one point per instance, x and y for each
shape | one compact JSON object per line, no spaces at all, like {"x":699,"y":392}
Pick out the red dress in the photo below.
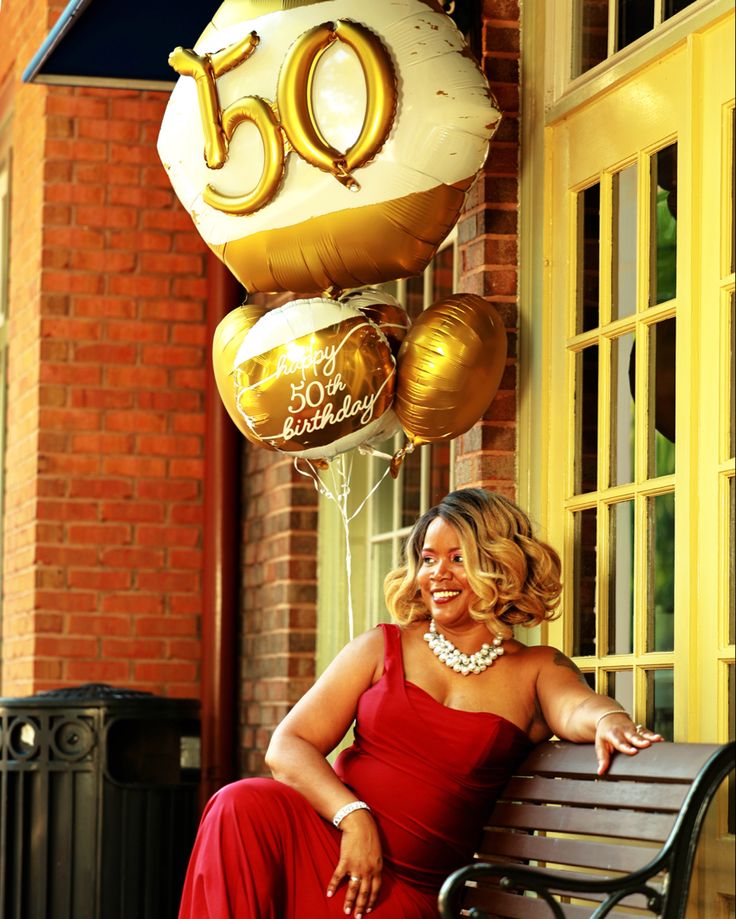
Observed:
{"x":430,"y":774}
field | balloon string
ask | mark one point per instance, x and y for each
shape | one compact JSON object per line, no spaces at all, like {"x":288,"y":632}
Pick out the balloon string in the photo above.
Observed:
{"x":341,"y":470}
{"x":341,"y":474}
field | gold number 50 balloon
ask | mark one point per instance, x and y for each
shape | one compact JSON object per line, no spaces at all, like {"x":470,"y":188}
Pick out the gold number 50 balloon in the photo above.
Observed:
{"x":289,"y":95}
{"x":296,"y":113}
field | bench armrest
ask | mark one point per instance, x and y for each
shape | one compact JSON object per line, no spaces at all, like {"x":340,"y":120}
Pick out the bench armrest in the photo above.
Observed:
{"x":545,"y":882}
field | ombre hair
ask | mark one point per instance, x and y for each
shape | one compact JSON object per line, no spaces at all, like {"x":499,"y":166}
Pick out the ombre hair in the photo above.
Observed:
{"x":515,"y":576}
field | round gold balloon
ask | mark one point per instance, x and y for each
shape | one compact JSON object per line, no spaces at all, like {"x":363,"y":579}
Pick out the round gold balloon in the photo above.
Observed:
{"x":384,"y":311}
{"x":314,"y":379}
{"x":449,"y":368}
{"x":226,"y":341}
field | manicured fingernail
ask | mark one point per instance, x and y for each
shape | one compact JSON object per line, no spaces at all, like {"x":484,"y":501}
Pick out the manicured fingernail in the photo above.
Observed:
{"x":329,"y":893}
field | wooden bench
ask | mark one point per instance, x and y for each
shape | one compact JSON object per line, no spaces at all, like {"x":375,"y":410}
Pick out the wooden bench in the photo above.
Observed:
{"x":627,"y":839}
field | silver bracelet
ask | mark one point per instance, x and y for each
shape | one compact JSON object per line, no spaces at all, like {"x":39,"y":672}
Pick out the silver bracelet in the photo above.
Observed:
{"x":613,"y":711}
{"x":348,"y":809}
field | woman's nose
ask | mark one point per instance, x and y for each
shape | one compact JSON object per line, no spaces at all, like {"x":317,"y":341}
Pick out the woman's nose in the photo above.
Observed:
{"x":440,"y":568}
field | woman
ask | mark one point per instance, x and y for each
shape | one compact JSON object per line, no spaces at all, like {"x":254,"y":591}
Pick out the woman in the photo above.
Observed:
{"x":446,"y":703}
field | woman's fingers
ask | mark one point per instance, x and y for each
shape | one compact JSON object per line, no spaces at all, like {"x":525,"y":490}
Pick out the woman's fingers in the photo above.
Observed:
{"x":626,"y":740}
{"x":361,"y":892}
{"x":375,"y":887}
{"x":337,"y":877}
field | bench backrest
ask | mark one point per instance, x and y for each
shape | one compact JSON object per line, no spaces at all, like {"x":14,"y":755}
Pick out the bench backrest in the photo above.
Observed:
{"x":606,"y":826}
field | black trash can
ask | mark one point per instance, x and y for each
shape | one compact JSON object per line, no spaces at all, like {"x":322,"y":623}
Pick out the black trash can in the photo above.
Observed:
{"x":98,"y":803}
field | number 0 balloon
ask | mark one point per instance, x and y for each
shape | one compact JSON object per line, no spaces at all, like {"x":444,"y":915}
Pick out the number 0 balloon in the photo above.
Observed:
{"x":327,"y":144}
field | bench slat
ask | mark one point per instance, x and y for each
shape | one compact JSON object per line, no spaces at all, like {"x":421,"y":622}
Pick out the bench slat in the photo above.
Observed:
{"x":566,"y":851}
{"x":624,"y":824}
{"x":664,"y":762}
{"x":642,"y":796}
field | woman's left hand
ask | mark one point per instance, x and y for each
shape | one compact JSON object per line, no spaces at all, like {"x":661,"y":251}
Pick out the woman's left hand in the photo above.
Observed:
{"x":618,"y":732}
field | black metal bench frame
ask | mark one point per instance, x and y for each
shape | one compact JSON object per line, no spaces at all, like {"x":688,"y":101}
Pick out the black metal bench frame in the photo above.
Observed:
{"x":674,"y":860}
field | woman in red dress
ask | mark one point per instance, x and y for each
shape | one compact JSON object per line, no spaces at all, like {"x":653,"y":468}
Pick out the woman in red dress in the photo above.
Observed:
{"x":445,"y":703}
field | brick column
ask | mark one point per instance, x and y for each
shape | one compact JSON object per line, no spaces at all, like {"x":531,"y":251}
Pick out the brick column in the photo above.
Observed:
{"x":279,"y":599}
{"x":487,"y":234}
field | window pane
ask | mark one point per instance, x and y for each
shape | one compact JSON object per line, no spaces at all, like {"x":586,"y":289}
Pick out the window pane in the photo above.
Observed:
{"x":663,"y":273}
{"x":586,"y":398}
{"x":584,"y":581}
{"x":382,"y":501}
{"x":442,"y":275}
{"x":381,"y":563}
{"x":440,"y":455}
{"x":623,"y":380}
{"x":621,"y":688}
{"x":411,"y":488}
{"x":661,"y":599}
{"x":624,"y":268}
{"x":593,"y":36}
{"x":414,"y":296}
{"x":660,"y":702}
{"x":621,"y":586}
{"x":635,"y":18}
{"x":589,"y":247}
{"x":672,"y":7}
{"x":662,"y":395}
{"x":589,"y":677}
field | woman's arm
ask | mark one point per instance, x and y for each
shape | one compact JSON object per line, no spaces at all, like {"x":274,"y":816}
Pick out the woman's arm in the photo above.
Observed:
{"x":574,"y":712}
{"x":296,"y":757}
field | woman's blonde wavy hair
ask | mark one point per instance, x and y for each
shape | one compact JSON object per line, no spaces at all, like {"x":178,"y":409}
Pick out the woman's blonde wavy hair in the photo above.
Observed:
{"x":515,"y":576}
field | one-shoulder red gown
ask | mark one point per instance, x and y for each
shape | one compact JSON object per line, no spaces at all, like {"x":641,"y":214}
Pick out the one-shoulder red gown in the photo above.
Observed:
{"x":430,"y":775}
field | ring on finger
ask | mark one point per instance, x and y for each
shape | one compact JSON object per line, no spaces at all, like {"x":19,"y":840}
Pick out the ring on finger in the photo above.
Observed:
{"x":355,"y":879}
{"x":639,"y":728}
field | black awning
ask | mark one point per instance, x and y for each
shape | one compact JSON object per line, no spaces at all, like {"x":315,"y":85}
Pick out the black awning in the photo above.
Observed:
{"x":127,"y":44}
{"x":119,"y":43}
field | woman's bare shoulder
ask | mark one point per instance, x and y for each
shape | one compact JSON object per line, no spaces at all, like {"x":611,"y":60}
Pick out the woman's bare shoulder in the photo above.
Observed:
{"x":534,"y":655}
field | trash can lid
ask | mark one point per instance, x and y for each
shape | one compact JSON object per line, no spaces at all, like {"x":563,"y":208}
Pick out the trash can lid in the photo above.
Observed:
{"x":102,"y":695}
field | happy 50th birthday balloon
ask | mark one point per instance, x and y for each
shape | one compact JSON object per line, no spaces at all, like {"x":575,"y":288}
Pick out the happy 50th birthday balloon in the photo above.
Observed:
{"x":314,"y":378}
{"x":229,"y":336}
{"x":326,"y":144}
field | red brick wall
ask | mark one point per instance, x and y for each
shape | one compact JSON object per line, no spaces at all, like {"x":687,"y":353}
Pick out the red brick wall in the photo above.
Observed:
{"x":279,"y":597}
{"x":103,"y":523}
{"x":487,"y":234}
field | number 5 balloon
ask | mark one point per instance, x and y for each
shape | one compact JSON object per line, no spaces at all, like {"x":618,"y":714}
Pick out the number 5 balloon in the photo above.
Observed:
{"x":326,"y":144}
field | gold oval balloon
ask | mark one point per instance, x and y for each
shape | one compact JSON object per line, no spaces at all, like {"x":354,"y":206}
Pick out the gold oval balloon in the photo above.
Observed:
{"x":296,"y":110}
{"x":319,"y":392}
{"x":449,"y":368}
{"x":226,"y":341}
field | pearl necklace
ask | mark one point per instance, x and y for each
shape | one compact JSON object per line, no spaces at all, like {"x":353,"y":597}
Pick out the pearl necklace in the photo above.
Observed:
{"x":465,"y":664}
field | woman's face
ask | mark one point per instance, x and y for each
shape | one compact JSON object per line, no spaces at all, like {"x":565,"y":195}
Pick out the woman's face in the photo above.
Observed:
{"x":443,"y":582}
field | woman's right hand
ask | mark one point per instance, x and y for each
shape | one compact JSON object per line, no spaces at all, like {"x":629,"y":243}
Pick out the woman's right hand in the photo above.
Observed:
{"x":360,"y":863}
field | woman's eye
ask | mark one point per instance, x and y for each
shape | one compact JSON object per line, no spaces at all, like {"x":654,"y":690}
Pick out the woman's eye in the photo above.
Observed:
{"x":458,"y":558}
{"x":427,"y":560}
